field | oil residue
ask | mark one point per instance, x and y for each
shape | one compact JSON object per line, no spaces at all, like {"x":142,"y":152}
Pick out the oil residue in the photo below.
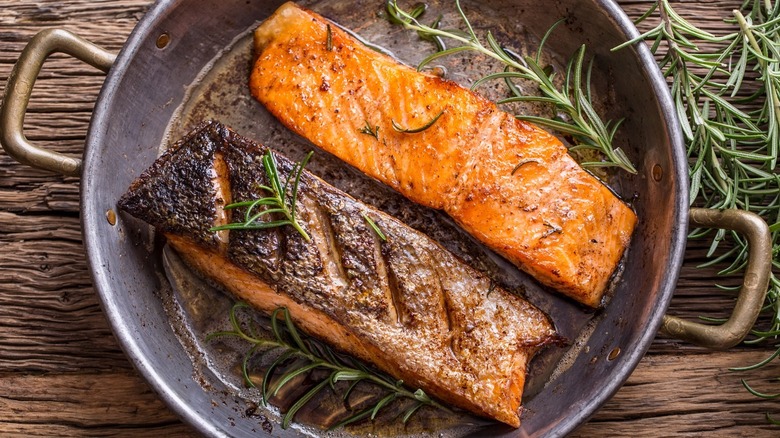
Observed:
{"x":222,"y":93}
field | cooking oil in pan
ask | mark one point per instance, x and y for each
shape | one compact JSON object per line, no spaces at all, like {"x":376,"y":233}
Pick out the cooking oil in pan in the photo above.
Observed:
{"x":222,"y":93}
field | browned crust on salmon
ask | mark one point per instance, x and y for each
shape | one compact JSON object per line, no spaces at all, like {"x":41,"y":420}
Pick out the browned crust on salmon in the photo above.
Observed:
{"x":404,"y":304}
{"x":548,"y":216}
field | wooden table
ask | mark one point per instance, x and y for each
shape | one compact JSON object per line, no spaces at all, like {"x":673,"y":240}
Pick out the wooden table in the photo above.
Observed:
{"x":62,"y":372}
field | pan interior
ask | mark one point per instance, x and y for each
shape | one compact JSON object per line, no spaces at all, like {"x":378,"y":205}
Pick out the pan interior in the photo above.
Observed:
{"x":149,"y":297}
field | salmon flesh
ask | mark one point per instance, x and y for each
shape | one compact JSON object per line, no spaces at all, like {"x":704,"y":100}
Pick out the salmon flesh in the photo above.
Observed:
{"x":509,"y":183}
{"x":405,"y":304}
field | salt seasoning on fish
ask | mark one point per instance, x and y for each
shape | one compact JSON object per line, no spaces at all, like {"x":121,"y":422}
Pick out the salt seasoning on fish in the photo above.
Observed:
{"x":548,"y":216}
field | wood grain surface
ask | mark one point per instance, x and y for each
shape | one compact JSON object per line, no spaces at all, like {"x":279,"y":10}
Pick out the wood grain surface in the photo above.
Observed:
{"x":63,"y":374}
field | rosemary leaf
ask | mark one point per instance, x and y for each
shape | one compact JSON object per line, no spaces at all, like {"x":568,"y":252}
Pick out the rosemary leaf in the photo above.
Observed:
{"x":347,"y":375}
{"x":301,"y":402}
{"x":294,"y":201}
{"x":526,"y":99}
{"x":269,"y":372}
{"x":382,"y":403}
{"x":365,"y":413}
{"x":563,"y":127}
{"x":245,"y":369}
{"x":399,"y":128}
{"x":263,"y":201}
{"x":352,"y":386}
{"x":427,"y":60}
{"x":759,"y":394}
{"x":409,"y":412}
{"x":546,"y":37}
{"x":523,"y":163}
{"x":374,"y":227}
{"x":252,"y":226}
{"x":290,"y":376}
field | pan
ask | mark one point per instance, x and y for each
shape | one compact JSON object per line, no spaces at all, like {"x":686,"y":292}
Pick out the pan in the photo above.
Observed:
{"x":183,"y":63}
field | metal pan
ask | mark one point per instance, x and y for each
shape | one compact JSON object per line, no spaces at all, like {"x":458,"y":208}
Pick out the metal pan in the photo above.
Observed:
{"x":183,"y":63}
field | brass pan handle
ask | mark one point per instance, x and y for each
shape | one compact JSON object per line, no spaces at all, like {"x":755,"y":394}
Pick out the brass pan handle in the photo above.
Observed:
{"x":19,"y":89}
{"x":753,"y":290}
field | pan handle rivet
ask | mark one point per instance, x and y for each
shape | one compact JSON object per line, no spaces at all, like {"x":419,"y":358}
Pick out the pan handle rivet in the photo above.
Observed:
{"x":614,"y":353}
{"x":658,"y":172}
{"x":111,"y":217}
{"x":163,"y":40}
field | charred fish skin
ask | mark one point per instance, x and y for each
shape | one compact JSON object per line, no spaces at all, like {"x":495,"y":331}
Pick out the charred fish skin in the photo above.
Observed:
{"x":548,"y":216}
{"x":177,"y":207}
{"x":404,"y":304}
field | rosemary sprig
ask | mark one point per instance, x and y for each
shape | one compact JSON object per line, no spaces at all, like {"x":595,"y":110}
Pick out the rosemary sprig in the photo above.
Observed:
{"x":290,"y":344}
{"x":728,"y":103}
{"x":279,"y":201}
{"x":369,"y":130}
{"x":573,"y":98}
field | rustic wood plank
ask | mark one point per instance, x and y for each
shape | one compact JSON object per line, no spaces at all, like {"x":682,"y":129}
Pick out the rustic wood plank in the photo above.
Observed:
{"x":108,"y":404}
{"x":50,"y":318}
{"x":679,"y":395}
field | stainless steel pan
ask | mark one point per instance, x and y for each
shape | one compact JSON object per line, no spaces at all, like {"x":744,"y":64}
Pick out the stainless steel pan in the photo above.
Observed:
{"x":184,"y":62}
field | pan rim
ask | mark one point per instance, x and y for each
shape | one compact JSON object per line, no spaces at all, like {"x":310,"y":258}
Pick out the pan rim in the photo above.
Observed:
{"x":91,"y":216}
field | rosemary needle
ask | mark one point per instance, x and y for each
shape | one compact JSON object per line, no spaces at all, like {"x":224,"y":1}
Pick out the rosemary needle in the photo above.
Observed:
{"x":374,"y":227}
{"x":399,"y":128}
{"x":290,"y":344}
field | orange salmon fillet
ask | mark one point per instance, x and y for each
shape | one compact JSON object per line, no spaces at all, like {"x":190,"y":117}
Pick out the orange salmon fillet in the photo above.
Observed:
{"x":509,"y":183}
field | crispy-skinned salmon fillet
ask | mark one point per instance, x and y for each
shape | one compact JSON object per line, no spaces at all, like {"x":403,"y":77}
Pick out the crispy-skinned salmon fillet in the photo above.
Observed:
{"x":404,"y":304}
{"x":509,"y":183}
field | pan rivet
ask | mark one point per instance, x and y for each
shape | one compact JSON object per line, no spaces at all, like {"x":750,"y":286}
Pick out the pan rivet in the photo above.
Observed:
{"x":163,"y":40}
{"x":111,"y":217}
{"x":658,"y":172}
{"x":614,"y":353}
